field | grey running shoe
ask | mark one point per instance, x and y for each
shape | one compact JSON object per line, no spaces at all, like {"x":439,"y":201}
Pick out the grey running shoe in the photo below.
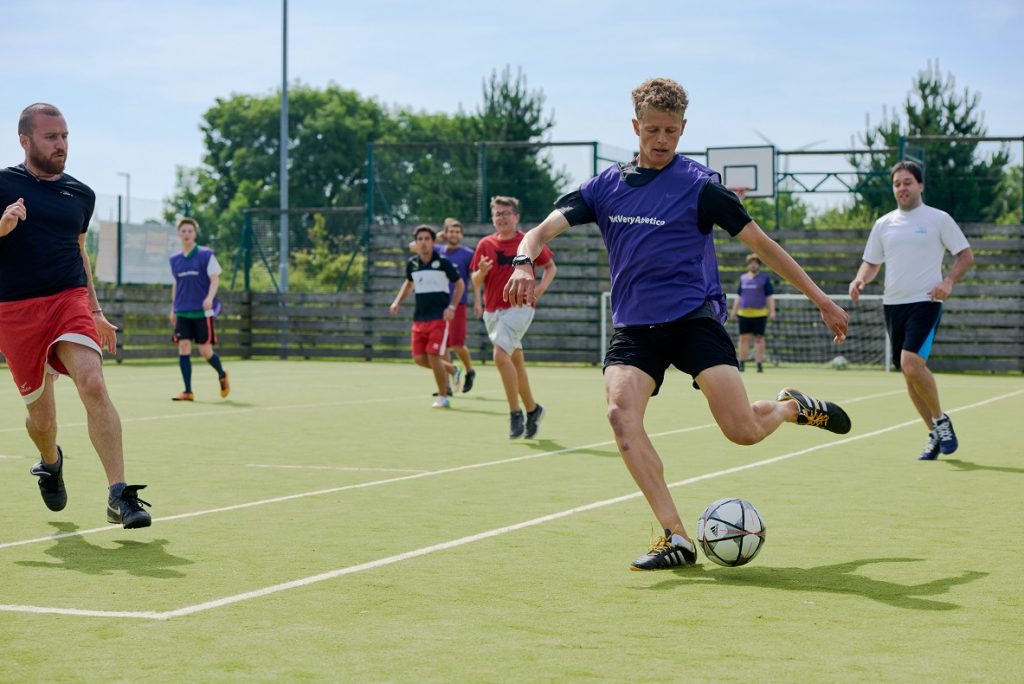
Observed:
{"x":516,"y":427}
{"x":821,"y":414}
{"x":533,"y":419}
{"x":664,"y":555}
{"x":126,"y":508}
{"x":51,"y":485}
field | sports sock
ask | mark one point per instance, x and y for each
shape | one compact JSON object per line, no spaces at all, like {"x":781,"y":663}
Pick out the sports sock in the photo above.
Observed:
{"x":185,"y":362}
{"x":215,"y":362}
{"x":679,"y":540}
{"x":51,"y":467}
{"x":116,"y":489}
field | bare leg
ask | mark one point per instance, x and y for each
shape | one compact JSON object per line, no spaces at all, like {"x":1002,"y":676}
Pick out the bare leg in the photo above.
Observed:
{"x":519,"y":361}
{"x":86,"y":370}
{"x":740,"y":421}
{"x":437,"y":365}
{"x":41,"y":422}
{"x":759,"y":349}
{"x":924,"y":393}
{"x":463,"y":353}
{"x":509,"y":377}
{"x":743,"y":348}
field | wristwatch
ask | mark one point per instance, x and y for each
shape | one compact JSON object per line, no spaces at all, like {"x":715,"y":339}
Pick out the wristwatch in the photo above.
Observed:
{"x":521,"y":260}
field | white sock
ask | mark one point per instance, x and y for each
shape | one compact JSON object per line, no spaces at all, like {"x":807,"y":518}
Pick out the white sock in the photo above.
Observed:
{"x":679,"y":540}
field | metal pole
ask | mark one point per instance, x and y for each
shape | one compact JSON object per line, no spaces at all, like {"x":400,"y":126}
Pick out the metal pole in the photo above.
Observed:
{"x":283,"y":259}
{"x":127,"y":195}
{"x":119,"y":240}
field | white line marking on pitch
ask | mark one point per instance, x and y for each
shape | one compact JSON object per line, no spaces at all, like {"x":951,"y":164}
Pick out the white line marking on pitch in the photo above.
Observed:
{"x":343,"y":468}
{"x":462,"y":541}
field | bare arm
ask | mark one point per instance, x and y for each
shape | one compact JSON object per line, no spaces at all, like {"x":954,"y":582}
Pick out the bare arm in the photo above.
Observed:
{"x":460,"y":287}
{"x":550,"y":269}
{"x":519,"y":290}
{"x":835,"y":319}
{"x":865,"y":274}
{"x":174,"y":288}
{"x":212,"y":292}
{"x":107,"y":331}
{"x":403,"y":292}
{"x":962,"y":264}
{"x":12,"y":214}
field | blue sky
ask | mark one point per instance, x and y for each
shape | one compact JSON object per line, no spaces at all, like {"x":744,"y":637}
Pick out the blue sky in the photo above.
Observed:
{"x":134,"y":77}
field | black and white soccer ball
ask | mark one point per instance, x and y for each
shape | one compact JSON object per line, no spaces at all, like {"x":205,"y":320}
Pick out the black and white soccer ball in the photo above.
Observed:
{"x":730,"y":532}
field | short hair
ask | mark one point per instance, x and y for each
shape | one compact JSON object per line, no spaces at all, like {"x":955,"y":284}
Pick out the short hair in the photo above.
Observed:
{"x":28,"y":115}
{"x":449,"y":222}
{"x":189,"y":220}
{"x":424,"y":228}
{"x":753,"y":257}
{"x":912,"y":167}
{"x":662,"y":94}
{"x":505,"y":201}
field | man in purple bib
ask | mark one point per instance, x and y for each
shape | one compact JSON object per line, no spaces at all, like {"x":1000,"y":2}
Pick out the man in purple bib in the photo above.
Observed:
{"x":656,"y":215}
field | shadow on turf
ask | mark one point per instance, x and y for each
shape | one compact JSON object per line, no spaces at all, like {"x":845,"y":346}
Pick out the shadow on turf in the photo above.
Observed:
{"x":836,"y":579}
{"x":139,"y":558}
{"x":968,"y":466}
{"x":551,"y":445}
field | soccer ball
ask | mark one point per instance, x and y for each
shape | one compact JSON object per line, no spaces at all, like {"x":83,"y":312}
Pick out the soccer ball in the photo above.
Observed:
{"x":730,"y":532}
{"x":840,"y":363}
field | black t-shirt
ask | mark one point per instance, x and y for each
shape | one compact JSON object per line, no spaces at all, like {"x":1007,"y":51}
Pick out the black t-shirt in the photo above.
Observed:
{"x":431,"y":280}
{"x":41,"y":256}
{"x":716,"y":205}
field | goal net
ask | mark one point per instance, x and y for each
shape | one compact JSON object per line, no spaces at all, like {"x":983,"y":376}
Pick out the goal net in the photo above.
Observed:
{"x":798,"y":336}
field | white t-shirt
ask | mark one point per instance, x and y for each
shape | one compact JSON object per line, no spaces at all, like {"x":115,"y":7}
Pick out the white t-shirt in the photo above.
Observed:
{"x":911,"y":244}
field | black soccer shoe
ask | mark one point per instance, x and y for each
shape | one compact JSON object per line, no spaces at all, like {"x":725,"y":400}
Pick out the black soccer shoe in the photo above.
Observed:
{"x":126,"y":508}
{"x":516,"y":425}
{"x":51,"y":485}
{"x":931,"y":448}
{"x":821,"y":414}
{"x":533,"y":419}
{"x":467,"y":384}
{"x":664,"y":555}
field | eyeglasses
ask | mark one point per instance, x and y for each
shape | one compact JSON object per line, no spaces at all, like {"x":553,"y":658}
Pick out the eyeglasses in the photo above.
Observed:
{"x":502,"y":214}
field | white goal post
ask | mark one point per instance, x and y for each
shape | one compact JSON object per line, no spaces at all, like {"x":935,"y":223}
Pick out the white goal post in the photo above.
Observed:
{"x":797,"y":335}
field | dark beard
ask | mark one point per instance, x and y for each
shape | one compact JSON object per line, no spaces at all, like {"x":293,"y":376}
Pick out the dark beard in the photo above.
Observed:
{"x":52,"y":166}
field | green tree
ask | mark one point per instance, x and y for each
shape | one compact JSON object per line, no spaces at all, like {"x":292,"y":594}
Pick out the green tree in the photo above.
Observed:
{"x":1008,"y":203}
{"x":958,"y":179}
{"x":793,"y":213}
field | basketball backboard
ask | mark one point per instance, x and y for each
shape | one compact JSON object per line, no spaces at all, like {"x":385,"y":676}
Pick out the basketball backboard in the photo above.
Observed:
{"x":749,"y":168}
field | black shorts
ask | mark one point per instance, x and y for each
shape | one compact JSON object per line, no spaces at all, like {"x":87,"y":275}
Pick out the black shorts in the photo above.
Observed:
{"x":199,"y":330}
{"x":753,"y":326}
{"x":912,"y":327}
{"x":691,"y":345}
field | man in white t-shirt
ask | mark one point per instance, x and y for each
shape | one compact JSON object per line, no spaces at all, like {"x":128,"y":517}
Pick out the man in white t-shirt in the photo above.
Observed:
{"x":911,"y":241}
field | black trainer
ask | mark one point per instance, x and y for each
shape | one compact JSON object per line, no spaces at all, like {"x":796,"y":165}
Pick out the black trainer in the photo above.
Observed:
{"x":126,"y":508}
{"x":821,"y":414}
{"x":467,"y":384}
{"x":664,"y":555}
{"x":931,"y":448}
{"x":533,"y":419}
{"x":51,"y":485}
{"x":516,"y":426}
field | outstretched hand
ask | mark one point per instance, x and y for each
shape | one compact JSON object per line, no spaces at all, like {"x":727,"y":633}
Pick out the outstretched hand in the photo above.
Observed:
{"x":836,"y":320}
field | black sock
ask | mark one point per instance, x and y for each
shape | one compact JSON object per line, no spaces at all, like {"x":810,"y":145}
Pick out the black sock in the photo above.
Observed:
{"x":215,"y":362}
{"x":185,"y":362}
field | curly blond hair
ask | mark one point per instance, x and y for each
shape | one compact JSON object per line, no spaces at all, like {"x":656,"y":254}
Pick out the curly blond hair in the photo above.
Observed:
{"x":662,"y":94}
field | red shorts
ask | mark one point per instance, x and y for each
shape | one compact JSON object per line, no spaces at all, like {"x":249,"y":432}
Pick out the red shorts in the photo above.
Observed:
{"x":31,"y":328}
{"x":430,"y":337}
{"x":457,"y":328}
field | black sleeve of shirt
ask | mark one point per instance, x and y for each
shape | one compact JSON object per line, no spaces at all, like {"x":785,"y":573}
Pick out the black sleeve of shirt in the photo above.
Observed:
{"x":574,"y":209}
{"x":717,"y":205}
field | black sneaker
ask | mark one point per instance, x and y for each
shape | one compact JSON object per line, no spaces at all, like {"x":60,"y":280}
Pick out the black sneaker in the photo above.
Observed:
{"x":931,"y":448}
{"x":533,"y":419}
{"x":467,"y":384}
{"x":516,"y":427}
{"x":742,"y":366}
{"x":822,"y":414}
{"x":51,"y":485}
{"x":126,"y":508}
{"x":944,"y":432}
{"x":664,"y":555}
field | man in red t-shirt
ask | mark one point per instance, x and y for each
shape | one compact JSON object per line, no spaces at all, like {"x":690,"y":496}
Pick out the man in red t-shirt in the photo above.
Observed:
{"x":491,"y":267}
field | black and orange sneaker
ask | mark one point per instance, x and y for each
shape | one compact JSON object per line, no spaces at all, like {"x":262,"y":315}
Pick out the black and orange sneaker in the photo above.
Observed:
{"x":51,"y":483}
{"x":818,"y":413}
{"x":666,"y":555}
{"x":184,"y":396}
{"x":125,"y":507}
{"x":225,"y":386}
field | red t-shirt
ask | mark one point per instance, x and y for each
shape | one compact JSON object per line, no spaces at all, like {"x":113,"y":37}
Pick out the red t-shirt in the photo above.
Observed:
{"x":501,"y":252}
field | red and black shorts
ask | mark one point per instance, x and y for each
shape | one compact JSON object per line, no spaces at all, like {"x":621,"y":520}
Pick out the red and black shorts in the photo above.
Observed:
{"x":199,"y":330}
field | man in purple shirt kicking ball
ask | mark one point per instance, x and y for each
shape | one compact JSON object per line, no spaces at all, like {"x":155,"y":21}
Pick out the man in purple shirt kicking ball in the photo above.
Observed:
{"x":656,"y":215}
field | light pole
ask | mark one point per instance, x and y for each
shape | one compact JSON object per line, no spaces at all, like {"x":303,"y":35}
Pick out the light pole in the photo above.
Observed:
{"x":127,"y":195}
